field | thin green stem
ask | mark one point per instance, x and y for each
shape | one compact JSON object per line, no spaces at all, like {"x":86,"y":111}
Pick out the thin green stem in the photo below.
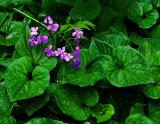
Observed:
{"x":29,"y":17}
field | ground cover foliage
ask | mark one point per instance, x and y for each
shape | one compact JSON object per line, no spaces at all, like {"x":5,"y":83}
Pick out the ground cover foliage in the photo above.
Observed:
{"x":79,"y":62}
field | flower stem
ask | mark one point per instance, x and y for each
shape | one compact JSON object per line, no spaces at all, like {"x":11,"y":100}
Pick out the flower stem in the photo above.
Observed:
{"x":29,"y":17}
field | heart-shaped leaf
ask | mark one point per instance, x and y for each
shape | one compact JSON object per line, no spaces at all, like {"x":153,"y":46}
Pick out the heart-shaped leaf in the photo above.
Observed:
{"x":25,"y":82}
{"x":127,"y":67}
{"x":74,"y":101}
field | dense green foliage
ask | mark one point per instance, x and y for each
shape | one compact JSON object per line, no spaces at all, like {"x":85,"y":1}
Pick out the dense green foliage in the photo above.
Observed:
{"x":118,"y":81}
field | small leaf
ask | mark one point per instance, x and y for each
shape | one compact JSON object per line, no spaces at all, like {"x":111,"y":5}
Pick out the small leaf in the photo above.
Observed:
{"x":103,"y":112}
{"x":137,"y":108}
{"x":19,"y":85}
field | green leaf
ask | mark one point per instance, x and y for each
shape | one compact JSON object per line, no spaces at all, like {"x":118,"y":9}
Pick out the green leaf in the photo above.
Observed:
{"x":13,"y":29}
{"x":73,"y":102}
{"x":126,"y":66}
{"x":154,"y":112}
{"x":107,"y":40}
{"x":44,"y":121}
{"x":49,"y":63}
{"x":5,"y":104}
{"x":143,"y":14}
{"x":155,"y":32}
{"x":25,"y":82}
{"x":34,"y":104}
{"x":103,"y":112}
{"x":23,"y":41}
{"x":137,"y":109}
{"x":7,"y":120}
{"x":3,"y":17}
{"x":85,"y":10}
{"x":138,"y":119}
{"x":153,"y":90}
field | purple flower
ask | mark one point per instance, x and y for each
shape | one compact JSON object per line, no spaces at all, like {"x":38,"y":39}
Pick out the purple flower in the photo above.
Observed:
{"x":48,"y":19}
{"x":77,"y":33}
{"x":53,"y":27}
{"x":34,"y":31}
{"x":42,"y":39}
{"x":59,"y":51}
{"x":49,"y":51}
{"x":33,"y":41}
{"x":66,"y":57}
{"x":76,"y":63}
{"x":77,"y":48}
{"x":76,"y":54}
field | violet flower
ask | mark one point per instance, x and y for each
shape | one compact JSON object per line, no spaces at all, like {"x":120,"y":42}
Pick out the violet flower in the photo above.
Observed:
{"x":77,"y":48}
{"x":76,"y":63}
{"x":77,"y":33}
{"x":76,"y":53}
{"x":42,"y":39}
{"x":33,"y":41}
{"x":59,"y":51}
{"x":34,"y":31}
{"x":49,"y":51}
{"x":66,"y":57}
{"x":48,"y":19}
{"x":53,"y":27}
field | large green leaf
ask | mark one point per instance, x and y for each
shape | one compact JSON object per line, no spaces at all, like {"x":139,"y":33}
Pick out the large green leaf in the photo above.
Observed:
{"x":25,"y":82}
{"x":73,"y":102}
{"x":44,"y":121}
{"x":127,"y":67}
{"x":103,"y":112}
{"x":143,"y":14}
{"x":110,"y":39}
{"x":85,"y":10}
{"x":138,"y":119}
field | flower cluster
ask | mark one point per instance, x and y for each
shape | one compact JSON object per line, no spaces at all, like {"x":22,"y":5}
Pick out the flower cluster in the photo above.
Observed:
{"x":52,"y":26}
{"x":60,"y":52}
{"x":35,"y":39}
